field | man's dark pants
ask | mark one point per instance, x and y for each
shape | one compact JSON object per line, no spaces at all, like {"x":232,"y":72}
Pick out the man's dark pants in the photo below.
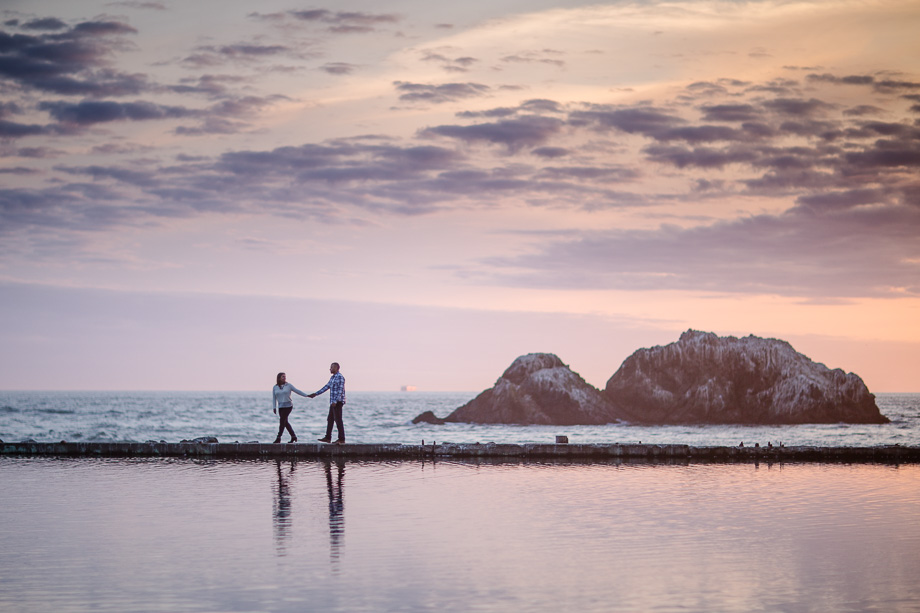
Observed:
{"x":335,"y":417}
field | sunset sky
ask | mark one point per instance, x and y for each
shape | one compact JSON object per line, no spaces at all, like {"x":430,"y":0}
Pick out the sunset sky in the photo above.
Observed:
{"x":197,"y":195}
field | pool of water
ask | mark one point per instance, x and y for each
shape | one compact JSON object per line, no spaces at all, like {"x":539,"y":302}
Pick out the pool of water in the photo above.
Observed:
{"x":190,"y":535}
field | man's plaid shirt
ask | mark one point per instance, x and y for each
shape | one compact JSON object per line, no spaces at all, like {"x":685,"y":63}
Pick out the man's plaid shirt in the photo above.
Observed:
{"x":336,"y":387}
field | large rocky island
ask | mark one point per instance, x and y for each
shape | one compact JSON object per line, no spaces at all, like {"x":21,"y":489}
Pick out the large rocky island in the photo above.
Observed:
{"x":707,"y":379}
{"x":536,"y":389}
{"x":700,"y":379}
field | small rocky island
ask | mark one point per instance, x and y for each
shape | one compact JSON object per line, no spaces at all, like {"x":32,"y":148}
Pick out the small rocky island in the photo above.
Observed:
{"x":536,"y":389}
{"x":708,"y":379}
{"x":700,"y":379}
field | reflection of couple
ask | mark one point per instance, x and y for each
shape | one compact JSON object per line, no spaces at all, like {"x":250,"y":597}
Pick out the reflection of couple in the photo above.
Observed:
{"x":282,"y":506}
{"x":282,"y":405}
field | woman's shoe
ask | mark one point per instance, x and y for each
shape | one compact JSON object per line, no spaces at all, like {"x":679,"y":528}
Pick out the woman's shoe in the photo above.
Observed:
{"x":277,"y":440}
{"x":293,"y":439}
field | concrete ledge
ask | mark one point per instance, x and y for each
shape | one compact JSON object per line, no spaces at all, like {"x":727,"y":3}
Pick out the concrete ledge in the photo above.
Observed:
{"x":574,"y":452}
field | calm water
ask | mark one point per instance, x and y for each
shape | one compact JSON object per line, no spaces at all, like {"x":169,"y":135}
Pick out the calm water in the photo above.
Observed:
{"x":182,"y":535}
{"x":381,"y":418}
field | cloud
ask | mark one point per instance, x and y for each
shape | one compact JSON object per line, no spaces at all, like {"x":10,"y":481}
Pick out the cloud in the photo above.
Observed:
{"x":526,"y":131}
{"x":635,"y":120}
{"x":335,"y":22}
{"x":212,"y":125}
{"x":700,"y":157}
{"x":90,"y":112}
{"x":731,"y":112}
{"x":122,"y":175}
{"x":11,"y":129}
{"x":852,"y":178}
{"x":591,"y":173}
{"x":848,"y":80}
{"x":439,"y":94}
{"x":216,"y":119}
{"x":60,"y":211}
{"x":214,"y":86}
{"x":250,"y":50}
{"x":245,"y":53}
{"x":455,"y":64}
{"x":138,"y":4}
{"x":528,"y":107}
{"x":544,"y":56}
{"x":826,"y":163}
{"x":33,"y":153}
{"x":846,"y":253}
{"x":885,"y":85}
{"x":338,"y":68}
{"x":798,"y":107}
{"x":551,"y":152}
{"x":73,"y":62}
{"x":862,"y":110}
{"x":47,"y":23}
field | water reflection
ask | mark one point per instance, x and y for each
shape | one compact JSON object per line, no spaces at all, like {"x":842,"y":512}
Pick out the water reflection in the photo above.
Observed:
{"x":464,"y":537}
{"x":336,"y":508}
{"x":281,"y":508}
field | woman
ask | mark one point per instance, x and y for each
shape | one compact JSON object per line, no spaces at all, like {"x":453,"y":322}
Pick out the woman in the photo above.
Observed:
{"x":282,"y":405}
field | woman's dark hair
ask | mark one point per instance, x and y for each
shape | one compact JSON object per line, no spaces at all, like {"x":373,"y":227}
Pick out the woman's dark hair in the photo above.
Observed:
{"x":278,"y":379}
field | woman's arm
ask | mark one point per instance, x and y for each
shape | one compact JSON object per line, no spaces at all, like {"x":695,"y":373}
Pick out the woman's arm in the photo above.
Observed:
{"x":297,"y":391}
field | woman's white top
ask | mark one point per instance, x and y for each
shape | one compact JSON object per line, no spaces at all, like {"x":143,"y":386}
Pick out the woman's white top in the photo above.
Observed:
{"x":281,"y":396}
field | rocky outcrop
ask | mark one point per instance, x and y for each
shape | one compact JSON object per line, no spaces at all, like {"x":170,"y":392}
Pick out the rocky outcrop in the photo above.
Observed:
{"x":707,"y":379}
{"x":428,"y":417}
{"x":537,"y":389}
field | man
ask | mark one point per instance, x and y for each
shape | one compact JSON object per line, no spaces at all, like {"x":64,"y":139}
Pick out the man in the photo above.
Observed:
{"x":336,"y":387}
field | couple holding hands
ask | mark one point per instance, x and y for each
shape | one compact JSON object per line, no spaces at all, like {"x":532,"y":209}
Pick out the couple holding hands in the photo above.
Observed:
{"x":282,"y":405}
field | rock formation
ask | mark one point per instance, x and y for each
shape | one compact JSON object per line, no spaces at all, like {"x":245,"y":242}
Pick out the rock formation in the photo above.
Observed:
{"x":536,"y":389}
{"x":707,"y":379}
{"x":428,"y":417}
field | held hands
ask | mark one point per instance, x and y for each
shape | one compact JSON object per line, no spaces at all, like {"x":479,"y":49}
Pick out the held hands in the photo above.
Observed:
{"x":311,"y":395}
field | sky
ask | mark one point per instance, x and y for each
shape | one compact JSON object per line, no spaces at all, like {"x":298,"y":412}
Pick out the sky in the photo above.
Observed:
{"x":198,"y":195}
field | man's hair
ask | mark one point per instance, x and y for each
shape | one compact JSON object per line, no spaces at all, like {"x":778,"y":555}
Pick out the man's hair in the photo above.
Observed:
{"x":336,"y":364}
{"x":278,"y":379}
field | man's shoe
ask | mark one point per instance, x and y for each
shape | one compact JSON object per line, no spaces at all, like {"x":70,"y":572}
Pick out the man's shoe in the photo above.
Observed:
{"x":325,"y":439}
{"x":341,"y":441}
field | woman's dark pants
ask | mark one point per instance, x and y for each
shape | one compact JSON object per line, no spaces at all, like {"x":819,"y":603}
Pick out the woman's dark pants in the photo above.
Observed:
{"x":284,"y":412}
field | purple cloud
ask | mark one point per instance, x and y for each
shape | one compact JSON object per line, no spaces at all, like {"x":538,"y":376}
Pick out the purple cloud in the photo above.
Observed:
{"x":526,"y":131}
{"x":794,"y":254}
{"x":90,"y":112}
{"x":72,"y":62}
{"x":336,"y":22}
{"x":439,"y":94}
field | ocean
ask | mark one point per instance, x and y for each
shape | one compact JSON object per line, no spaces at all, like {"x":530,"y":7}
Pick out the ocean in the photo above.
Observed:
{"x":383,"y":417}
